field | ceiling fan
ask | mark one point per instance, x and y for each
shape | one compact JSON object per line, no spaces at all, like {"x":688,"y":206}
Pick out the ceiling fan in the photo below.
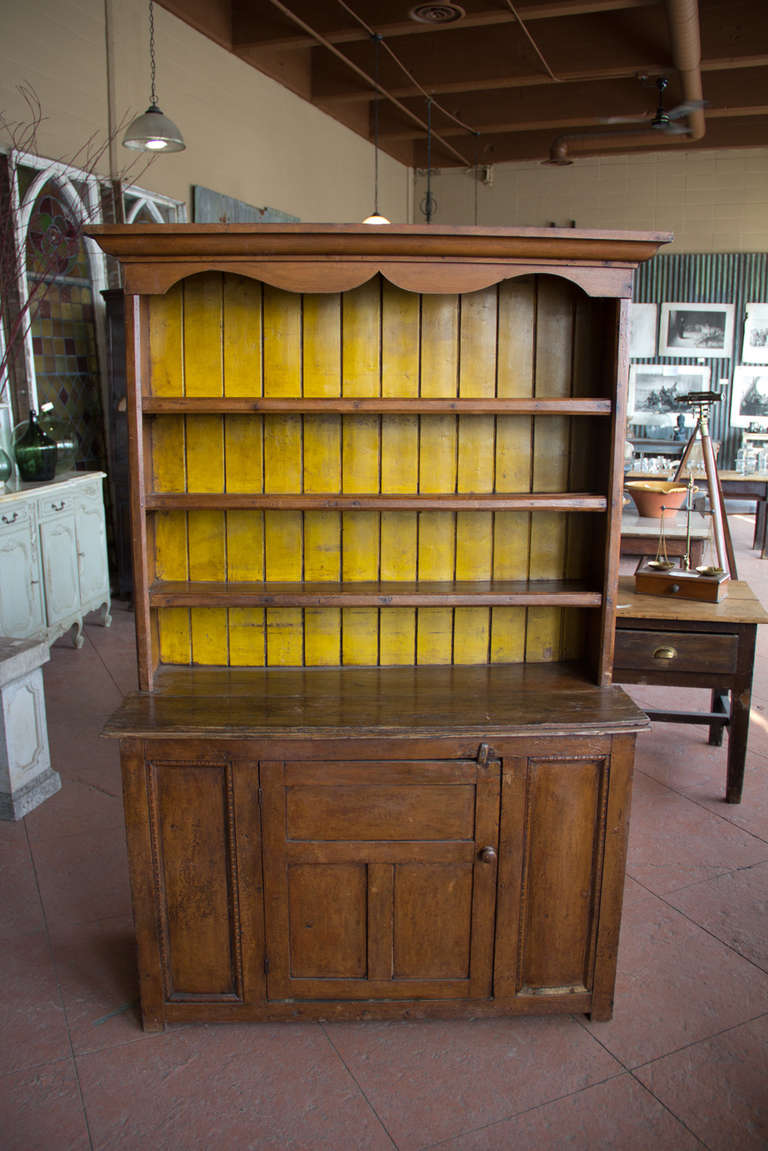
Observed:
{"x":664,"y":120}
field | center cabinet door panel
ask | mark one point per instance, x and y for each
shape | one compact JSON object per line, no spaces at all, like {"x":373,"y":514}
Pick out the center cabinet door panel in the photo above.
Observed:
{"x":375,"y":884}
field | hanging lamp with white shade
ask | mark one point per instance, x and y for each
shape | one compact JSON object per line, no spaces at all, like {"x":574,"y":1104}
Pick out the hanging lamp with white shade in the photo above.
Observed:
{"x":153,"y":131}
{"x":376,"y":217}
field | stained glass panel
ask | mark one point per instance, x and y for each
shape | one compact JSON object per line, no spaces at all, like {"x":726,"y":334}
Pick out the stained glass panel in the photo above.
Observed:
{"x":63,"y":332}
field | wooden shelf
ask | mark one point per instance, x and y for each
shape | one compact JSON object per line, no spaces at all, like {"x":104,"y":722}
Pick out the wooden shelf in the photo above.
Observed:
{"x":466,"y":593}
{"x":375,"y":405}
{"x":312,"y":501}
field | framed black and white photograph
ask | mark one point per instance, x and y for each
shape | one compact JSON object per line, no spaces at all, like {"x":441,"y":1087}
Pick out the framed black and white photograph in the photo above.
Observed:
{"x":655,"y":392}
{"x":749,"y":398}
{"x":696,"y":330}
{"x":754,"y":348}
{"x":642,"y":330}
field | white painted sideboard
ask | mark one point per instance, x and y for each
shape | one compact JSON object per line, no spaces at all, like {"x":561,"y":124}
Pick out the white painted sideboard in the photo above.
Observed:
{"x":53,"y":558}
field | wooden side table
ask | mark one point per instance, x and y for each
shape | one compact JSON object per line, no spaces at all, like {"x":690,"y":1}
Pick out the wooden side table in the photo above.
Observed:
{"x":685,"y":643}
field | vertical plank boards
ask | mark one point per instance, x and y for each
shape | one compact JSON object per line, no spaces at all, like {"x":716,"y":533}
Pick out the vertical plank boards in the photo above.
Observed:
{"x":361,"y":342}
{"x":242,"y":336}
{"x":322,"y":345}
{"x":166,"y":357}
{"x":511,"y":540}
{"x":245,"y":561}
{"x":203,"y":327}
{"x":554,"y":370}
{"x":322,"y":472}
{"x":283,"y":531}
{"x":400,"y":321}
{"x":361,"y":376}
{"x":168,"y":467}
{"x":244,"y":453}
{"x":475,"y":468}
{"x":437,"y":470}
{"x":399,"y":467}
{"x":203,"y":376}
{"x":282,"y":343}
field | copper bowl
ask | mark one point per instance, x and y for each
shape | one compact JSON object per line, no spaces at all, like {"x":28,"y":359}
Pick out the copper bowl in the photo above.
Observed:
{"x":651,"y":496}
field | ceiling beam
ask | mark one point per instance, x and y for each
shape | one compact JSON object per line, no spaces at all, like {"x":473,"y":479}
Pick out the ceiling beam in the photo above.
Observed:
{"x":252,"y":31}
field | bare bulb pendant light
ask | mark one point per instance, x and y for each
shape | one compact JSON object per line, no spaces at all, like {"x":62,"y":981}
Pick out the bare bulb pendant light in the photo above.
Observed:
{"x":152,"y":131}
{"x":376,"y":217}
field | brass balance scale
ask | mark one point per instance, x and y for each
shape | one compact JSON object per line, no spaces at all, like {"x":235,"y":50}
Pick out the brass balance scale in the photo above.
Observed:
{"x":707,"y":582}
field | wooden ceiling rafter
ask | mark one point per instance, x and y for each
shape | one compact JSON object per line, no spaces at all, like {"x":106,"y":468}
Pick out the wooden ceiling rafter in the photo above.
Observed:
{"x":582,"y":75}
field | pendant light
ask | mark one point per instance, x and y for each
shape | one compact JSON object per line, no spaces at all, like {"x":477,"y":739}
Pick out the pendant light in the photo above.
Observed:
{"x":376,"y":217}
{"x":152,"y":131}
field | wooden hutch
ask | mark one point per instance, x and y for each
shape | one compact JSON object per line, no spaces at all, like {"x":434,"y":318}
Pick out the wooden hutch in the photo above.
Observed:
{"x":375,"y":768}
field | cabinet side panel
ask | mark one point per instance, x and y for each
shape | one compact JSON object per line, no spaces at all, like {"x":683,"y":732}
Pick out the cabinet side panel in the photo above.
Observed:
{"x":193,"y":820}
{"x":563,"y":822}
{"x":322,"y":472}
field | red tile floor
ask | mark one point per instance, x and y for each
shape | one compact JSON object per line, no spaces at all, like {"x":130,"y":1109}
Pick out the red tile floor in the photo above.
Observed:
{"x":683,"y":1064}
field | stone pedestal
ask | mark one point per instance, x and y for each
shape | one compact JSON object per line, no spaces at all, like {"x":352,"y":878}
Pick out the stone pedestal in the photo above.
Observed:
{"x":26,"y":776}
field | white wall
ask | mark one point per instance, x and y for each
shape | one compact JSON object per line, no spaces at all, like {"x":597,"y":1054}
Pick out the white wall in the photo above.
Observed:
{"x":713,"y":201}
{"x":246,"y":136}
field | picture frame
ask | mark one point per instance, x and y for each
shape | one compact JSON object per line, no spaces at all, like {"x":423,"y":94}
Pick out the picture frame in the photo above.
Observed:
{"x":695,"y":330}
{"x":749,"y":397}
{"x":754,"y":345}
{"x":642,"y":330}
{"x":655,"y":389}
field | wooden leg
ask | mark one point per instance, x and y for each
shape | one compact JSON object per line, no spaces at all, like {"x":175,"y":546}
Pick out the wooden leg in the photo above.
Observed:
{"x":721,"y":705}
{"x":759,"y":535}
{"x":762,"y":517}
{"x":737,"y":743}
{"x":741,"y":699}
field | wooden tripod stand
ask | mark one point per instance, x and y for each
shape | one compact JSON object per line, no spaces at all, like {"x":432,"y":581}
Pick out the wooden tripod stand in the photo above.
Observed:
{"x":702,"y":402}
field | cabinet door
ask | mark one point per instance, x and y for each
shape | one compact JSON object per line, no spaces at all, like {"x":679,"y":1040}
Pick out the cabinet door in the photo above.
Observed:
{"x":377,"y":884}
{"x":91,"y":549}
{"x":21,"y":602}
{"x":62,"y":586}
{"x":553,"y":851}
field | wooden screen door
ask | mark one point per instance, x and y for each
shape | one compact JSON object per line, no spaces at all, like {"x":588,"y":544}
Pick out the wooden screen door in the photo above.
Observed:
{"x":380,"y":878}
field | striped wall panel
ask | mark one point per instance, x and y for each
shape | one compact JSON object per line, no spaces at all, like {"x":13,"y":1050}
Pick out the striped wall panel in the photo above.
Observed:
{"x":739,"y":278}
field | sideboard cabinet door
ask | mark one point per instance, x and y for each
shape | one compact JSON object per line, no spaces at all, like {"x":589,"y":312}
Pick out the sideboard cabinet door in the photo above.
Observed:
{"x":90,"y":531}
{"x":62,"y":584}
{"x":21,"y":601}
{"x":379,"y":879}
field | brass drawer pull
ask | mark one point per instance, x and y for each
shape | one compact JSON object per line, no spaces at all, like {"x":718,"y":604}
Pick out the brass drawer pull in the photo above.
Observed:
{"x":665,"y":653}
{"x":488,"y":855}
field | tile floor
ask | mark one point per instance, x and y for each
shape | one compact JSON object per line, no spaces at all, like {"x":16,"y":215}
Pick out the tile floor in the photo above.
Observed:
{"x":683,"y":1064}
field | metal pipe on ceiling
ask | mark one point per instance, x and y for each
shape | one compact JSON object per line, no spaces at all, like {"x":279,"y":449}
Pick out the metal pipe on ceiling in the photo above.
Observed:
{"x":685,"y":35}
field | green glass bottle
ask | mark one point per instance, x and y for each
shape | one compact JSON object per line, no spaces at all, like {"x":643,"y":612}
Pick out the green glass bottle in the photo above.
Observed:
{"x":35,"y":453}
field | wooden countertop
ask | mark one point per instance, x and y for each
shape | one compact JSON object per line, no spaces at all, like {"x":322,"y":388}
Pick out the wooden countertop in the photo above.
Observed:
{"x":485,"y":701}
{"x":741,"y":605}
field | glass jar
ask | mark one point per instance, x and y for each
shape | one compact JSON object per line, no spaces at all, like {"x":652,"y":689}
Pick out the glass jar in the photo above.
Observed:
{"x":35,"y":452}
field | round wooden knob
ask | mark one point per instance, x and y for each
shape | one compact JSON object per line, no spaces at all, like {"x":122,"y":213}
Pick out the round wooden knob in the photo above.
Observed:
{"x":665,"y":653}
{"x":488,"y":854}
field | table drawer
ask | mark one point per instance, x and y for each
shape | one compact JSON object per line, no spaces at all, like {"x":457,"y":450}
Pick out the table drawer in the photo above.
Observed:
{"x":640,"y":650}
